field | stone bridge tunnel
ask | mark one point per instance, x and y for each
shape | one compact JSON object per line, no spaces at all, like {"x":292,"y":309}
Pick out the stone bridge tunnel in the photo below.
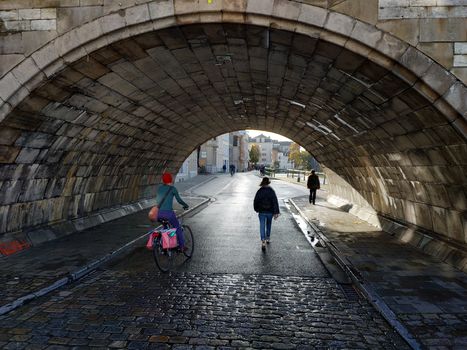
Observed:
{"x":98,"y":97}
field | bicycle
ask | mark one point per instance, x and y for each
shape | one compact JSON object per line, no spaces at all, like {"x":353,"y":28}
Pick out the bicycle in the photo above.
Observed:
{"x":164,"y":258}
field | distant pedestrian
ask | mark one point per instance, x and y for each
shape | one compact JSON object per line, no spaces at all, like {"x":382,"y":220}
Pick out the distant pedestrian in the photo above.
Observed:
{"x":224,"y":168}
{"x":313,"y":185}
{"x":232,"y":169}
{"x":267,"y":207}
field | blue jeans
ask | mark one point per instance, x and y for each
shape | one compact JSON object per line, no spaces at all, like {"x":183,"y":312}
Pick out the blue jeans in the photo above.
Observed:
{"x":265,"y":222}
{"x":172,"y":218}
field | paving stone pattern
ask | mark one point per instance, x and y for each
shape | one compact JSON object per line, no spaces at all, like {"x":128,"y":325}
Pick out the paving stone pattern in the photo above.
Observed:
{"x":198,"y":311}
{"x":40,"y":266}
{"x":427,"y":295}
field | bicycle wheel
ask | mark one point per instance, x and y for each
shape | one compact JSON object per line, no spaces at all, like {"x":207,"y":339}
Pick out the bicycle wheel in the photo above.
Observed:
{"x":162,"y":257}
{"x":189,"y":241}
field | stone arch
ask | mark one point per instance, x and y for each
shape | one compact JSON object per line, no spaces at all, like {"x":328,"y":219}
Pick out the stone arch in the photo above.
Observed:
{"x":424,"y":78}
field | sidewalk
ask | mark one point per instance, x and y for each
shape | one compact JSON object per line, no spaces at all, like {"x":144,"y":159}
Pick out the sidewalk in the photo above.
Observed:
{"x":34,"y":272}
{"x":428,"y":297}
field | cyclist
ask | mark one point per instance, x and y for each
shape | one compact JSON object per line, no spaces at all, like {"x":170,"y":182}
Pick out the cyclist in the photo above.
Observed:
{"x":166,"y":209}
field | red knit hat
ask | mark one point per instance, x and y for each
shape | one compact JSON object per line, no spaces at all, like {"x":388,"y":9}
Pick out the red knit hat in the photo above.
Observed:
{"x":167,"y":178}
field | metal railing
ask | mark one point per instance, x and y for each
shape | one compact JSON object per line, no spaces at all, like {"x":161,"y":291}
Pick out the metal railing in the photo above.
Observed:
{"x":302,"y":175}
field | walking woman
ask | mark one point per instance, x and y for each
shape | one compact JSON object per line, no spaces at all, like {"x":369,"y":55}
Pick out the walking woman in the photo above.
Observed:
{"x":267,"y":207}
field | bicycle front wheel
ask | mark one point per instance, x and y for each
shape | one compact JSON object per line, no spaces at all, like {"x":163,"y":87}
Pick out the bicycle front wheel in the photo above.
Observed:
{"x":189,"y":241}
{"x":162,"y":257}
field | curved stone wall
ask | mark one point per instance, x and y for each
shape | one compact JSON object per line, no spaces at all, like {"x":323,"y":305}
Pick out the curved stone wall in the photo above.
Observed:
{"x":92,"y":118}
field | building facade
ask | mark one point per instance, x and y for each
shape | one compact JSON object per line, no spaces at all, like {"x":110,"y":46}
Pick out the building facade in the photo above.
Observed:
{"x":265,"y":145}
{"x":239,"y":150}
{"x":272,"y":152}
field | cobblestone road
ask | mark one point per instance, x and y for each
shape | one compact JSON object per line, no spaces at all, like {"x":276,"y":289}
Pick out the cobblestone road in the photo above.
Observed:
{"x":202,"y":311}
{"x":230,"y":295}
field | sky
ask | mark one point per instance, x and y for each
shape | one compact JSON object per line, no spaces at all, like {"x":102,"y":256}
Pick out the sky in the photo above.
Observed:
{"x":278,"y":137}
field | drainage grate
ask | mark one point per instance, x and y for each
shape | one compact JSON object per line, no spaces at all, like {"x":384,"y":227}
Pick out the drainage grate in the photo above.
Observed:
{"x":350,"y":292}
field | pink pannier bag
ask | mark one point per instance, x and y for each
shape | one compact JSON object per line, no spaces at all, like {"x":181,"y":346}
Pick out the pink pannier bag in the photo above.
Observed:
{"x":169,"y":238}
{"x":150,"y":243}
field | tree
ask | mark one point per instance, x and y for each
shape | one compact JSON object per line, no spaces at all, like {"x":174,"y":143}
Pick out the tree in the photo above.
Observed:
{"x":301,"y":158}
{"x":294,"y":154}
{"x":305,"y":160}
{"x":254,"y":154}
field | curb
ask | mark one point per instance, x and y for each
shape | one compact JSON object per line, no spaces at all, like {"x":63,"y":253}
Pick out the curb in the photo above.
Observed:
{"x":200,"y":184}
{"x":369,"y":293}
{"x":85,"y":270}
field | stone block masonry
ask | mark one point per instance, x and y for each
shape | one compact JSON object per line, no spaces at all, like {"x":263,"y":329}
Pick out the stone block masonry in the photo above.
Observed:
{"x":460,"y":54}
{"x":38,"y":19}
{"x":394,"y":9}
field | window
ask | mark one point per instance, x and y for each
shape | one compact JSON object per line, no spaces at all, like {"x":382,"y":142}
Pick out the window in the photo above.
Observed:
{"x":235,"y":141}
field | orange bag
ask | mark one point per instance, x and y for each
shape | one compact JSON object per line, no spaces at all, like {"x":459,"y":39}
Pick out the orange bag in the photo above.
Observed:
{"x":153,"y":213}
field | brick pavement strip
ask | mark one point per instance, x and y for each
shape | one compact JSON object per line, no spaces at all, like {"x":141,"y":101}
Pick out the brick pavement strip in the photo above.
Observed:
{"x":44,"y":268}
{"x":424,"y":296}
{"x":120,"y":309}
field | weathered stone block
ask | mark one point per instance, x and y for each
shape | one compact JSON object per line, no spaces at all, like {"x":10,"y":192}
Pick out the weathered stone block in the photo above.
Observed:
{"x":8,"y":86}
{"x":50,"y":13}
{"x":438,"y":78}
{"x":455,"y":226}
{"x":366,"y":34}
{"x":9,"y":15}
{"x":264,"y":7}
{"x":161,"y":9}
{"x":340,"y":23}
{"x":111,"y":22}
{"x":313,"y":15}
{"x":89,"y":32}
{"x":44,"y":24}
{"x":34,"y":140}
{"x":8,"y":154}
{"x":25,"y":71}
{"x":29,"y":14}
{"x":460,"y":61}
{"x":8,"y":135}
{"x":10,"y":191}
{"x":33,"y":190}
{"x":286,"y":9}
{"x":457,"y":97}
{"x":137,"y":14}
{"x":73,"y":17}
{"x":391,"y":46}
{"x":27,"y":155}
{"x":442,"y":29}
{"x":55,"y":187}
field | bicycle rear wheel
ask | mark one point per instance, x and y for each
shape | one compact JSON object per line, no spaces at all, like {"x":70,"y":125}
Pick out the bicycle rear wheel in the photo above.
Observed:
{"x":189,"y":241}
{"x":162,"y":257}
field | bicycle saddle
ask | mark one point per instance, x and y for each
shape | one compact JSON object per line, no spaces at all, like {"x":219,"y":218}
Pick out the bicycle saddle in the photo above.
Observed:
{"x":164,"y":221}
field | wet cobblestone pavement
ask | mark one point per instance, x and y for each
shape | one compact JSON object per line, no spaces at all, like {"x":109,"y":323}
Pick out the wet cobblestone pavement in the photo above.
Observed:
{"x":428,"y":296}
{"x":41,"y":266}
{"x":197,"y":311}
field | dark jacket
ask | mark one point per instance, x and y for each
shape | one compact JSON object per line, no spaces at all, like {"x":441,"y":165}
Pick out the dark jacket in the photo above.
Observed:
{"x":266,"y":201}
{"x":313,"y":182}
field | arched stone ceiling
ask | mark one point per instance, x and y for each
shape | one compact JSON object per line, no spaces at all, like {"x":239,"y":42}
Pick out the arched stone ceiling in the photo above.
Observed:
{"x":100,"y":131}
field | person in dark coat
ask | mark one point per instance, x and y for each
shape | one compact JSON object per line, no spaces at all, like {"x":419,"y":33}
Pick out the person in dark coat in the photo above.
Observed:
{"x":313,"y":185}
{"x":267,"y":207}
